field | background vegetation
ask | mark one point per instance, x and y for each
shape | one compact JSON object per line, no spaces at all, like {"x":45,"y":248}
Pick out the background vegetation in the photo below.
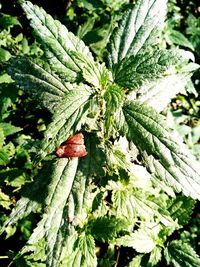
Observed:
{"x":22,"y":121}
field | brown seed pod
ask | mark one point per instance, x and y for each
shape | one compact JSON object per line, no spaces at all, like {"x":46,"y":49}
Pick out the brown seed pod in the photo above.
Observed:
{"x":73,"y":147}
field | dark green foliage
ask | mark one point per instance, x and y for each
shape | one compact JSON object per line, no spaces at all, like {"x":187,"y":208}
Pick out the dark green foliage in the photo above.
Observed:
{"x":122,"y":194}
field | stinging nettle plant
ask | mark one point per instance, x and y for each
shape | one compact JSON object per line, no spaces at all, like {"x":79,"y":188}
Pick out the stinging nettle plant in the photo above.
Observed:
{"x":122,"y":193}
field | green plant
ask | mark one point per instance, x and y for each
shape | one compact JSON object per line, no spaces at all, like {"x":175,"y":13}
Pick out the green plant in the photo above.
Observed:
{"x":108,"y":200}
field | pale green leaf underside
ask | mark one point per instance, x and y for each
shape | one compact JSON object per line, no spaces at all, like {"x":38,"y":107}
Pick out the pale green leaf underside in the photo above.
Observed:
{"x":136,"y":29}
{"x":142,"y":241}
{"x":179,"y":254}
{"x":38,"y":81}
{"x":169,"y":159}
{"x":139,"y":70}
{"x":133,"y":204}
{"x":159,"y":93}
{"x":57,"y":41}
{"x":68,"y":118}
{"x":79,"y":251}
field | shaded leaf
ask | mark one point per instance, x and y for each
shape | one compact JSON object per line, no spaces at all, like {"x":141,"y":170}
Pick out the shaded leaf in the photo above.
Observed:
{"x":181,"y":209}
{"x":179,"y":254}
{"x":9,"y":129}
{"x":107,"y":228}
{"x":84,"y":190}
{"x":31,"y":200}
{"x":179,"y":38}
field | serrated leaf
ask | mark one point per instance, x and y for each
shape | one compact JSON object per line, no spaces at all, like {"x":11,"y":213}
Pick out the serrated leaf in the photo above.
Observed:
{"x":169,"y":159}
{"x":4,"y":158}
{"x":91,"y":70}
{"x":67,"y":119}
{"x":179,"y":38}
{"x":106,"y":228}
{"x":80,"y":251}
{"x":131,"y":204}
{"x":33,"y":195}
{"x":83,"y":189}
{"x":5,"y":201}
{"x":179,"y":254}
{"x":136,"y":261}
{"x":8,"y":21}
{"x":39,"y":81}
{"x":159,"y":93}
{"x":140,"y":70}
{"x":137,"y":29}
{"x":2,"y":137}
{"x":114,"y":99}
{"x":181,"y":209}
{"x":143,"y":240}
{"x":57,"y":41}
{"x":155,"y":256}
{"x":54,"y":217}
{"x":9,"y":129}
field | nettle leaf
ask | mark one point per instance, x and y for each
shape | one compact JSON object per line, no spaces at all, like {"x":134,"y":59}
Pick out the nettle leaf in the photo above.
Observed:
{"x":39,"y":81}
{"x":67,"y":119}
{"x":54,"y":217}
{"x":114,"y":99}
{"x":179,"y":254}
{"x":137,"y":29}
{"x":57,"y":42}
{"x":155,"y":256}
{"x":80,"y":251}
{"x":181,"y":209}
{"x":139,"y":70}
{"x":143,"y":240}
{"x":83,"y":190}
{"x":136,"y":261}
{"x":159,"y":93}
{"x":8,"y":129}
{"x":106,"y":228}
{"x":5,"y":200}
{"x":131,"y":204}
{"x":31,"y":200}
{"x":165,"y":154}
{"x":91,"y":71}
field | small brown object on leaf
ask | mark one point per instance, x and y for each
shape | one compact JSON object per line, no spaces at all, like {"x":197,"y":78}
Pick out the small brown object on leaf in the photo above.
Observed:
{"x":73,"y":147}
